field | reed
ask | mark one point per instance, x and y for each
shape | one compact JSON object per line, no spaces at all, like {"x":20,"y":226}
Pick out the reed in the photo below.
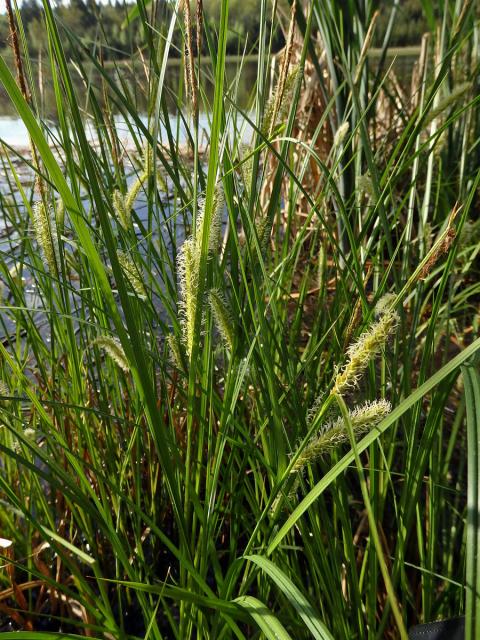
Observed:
{"x":230,"y":396}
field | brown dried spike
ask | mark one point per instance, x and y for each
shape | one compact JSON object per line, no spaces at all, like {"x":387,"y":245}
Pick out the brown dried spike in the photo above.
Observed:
{"x":199,"y":26}
{"x":190,"y":75}
{"x":442,"y":248}
{"x":39,"y":184}
{"x":287,"y":57}
{"x":16,"y":50}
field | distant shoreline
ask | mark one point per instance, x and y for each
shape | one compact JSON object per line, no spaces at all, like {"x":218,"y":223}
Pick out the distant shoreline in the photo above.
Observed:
{"x":392,"y":52}
{"x":400,"y":52}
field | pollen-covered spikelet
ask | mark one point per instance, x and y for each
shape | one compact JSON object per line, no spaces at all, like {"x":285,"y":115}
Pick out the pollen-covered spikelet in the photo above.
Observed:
{"x":121,"y":212}
{"x":334,"y":432}
{"x":175,"y":351}
{"x":384,"y":305}
{"x":188,"y":277}
{"x":132,"y":273}
{"x":114,"y":349}
{"x":222,"y":316}
{"x":361,"y":352}
{"x":189,"y":265}
{"x":279,"y":103}
{"x":5,"y":392}
{"x":340,"y":135}
{"x":46,"y":234}
{"x":215,"y":223}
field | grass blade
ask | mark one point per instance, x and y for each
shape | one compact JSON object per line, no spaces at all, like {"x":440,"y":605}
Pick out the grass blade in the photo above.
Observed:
{"x":340,"y":467}
{"x":303,"y":607}
{"x":471,"y":379}
{"x":267,"y":622}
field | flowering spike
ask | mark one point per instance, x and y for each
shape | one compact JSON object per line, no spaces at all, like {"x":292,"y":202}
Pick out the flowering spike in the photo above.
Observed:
{"x":132,"y":273}
{"x":114,"y":349}
{"x":189,"y":265}
{"x":361,"y":352}
{"x":46,"y":234}
{"x":334,"y":432}
{"x":222,"y":316}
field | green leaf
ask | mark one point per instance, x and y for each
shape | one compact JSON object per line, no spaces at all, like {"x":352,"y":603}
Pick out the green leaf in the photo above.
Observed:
{"x":81,"y":555}
{"x":268,"y":623}
{"x":347,"y":459}
{"x":471,"y":379}
{"x":304,"y":609}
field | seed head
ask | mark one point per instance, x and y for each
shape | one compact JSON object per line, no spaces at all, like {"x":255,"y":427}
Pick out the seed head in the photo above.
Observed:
{"x":46,"y":234}
{"x":215,"y":224}
{"x":132,"y":193}
{"x":123,"y":215}
{"x":246,"y":166}
{"x":175,"y":351}
{"x":334,"y":432}
{"x":114,"y":349}
{"x":361,"y":352}
{"x":189,"y":259}
{"x":279,"y":103}
{"x":222,"y":316}
{"x":132,"y":273}
{"x":188,"y":276}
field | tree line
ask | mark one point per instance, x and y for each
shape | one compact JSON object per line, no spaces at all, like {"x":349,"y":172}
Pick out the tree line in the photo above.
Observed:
{"x":106,"y":26}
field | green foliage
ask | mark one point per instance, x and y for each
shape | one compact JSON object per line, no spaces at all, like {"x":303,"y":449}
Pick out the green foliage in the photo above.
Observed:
{"x":186,"y":314}
{"x":410,"y":23}
{"x":107,"y":26}
{"x":85,"y":17}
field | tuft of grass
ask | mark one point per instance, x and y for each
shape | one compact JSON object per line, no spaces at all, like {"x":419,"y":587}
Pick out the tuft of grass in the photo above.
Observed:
{"x":229,"y":355}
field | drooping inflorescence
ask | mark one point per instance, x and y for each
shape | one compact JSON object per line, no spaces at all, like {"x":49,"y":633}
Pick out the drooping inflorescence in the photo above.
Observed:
{"x":333,"y":432}
{"x":132,"y":273}
{"x":361,"y":352}
{"x":189,"y":260}
{"x":222,"y":316}
{"x":114,"y":349}
{"x":44,"y":225}
{"x":277,"y":108}
{"x":123,"y":204}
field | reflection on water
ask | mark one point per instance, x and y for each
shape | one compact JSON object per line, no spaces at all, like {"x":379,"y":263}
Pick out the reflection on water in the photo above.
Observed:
{"x":14,"y":133}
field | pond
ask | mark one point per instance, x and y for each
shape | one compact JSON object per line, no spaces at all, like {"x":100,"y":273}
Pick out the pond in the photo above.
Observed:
{"x":126,"y":77}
